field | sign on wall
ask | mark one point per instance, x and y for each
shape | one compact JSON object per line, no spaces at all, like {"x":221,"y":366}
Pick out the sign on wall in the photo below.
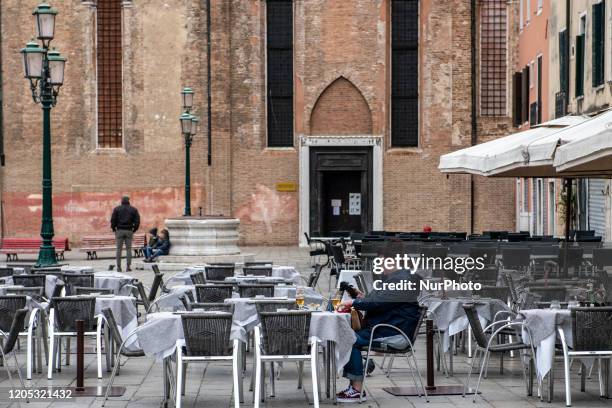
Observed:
{"x":354,"y":203}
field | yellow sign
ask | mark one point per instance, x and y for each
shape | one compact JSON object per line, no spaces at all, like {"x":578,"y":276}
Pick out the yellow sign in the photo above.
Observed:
{"x":286,"y":186}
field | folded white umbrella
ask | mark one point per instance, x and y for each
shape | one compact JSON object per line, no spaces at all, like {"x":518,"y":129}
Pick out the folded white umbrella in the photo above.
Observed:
{"x":553,"y":153}
{"x":507,"y":156}
{"x":589,"y":156}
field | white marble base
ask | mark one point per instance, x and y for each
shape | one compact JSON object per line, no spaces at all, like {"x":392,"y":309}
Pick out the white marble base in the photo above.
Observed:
{"x":171,"y":263}
{"x":203,"y":236}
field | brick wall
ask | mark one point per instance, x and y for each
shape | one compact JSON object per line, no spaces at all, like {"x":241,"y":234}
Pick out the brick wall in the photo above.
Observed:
{"x":341,"y":76}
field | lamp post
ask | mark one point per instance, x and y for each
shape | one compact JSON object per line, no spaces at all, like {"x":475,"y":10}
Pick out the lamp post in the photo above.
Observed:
{"x":188,"y":129}
{"x":44,"y":68}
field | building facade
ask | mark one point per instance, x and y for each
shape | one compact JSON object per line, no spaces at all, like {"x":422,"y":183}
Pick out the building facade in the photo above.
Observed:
{"x":580,"y":79}
{"x":324,"y":115}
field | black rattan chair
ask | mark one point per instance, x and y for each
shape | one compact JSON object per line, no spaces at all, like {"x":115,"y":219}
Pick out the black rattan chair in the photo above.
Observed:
{"x":213,"y":293}
{"x":218,"y":273}
{"x":29,"y":281}
{"x":313,"y":278}
{"x":549,"y":293}
{"x":9,"y":341}
{"x":37,"y":293}
{"x":516,"y":258}
{"x":249,"y":291}
{"x":121,"y":350}
{"x":207,"y":338}
{"x":258,"y":263}
{"x":82,"y":290}
{"x":4,"y":272}
{"x":65,"y":311}
{"x":257,"y":270}
{"x":274,"y":305}
{"x":485,"y":346}
{"x":197,"y":278}
{"x":213,"y":307}
{"x":284,"y":336}
{"x":495,"y":292}
{"x":84,"y":280}
{"x":591,"y":328}
{"x":158,"y":282}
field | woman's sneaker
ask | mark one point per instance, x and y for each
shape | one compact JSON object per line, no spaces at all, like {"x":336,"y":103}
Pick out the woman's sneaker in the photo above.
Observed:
{"x":350,"y":395}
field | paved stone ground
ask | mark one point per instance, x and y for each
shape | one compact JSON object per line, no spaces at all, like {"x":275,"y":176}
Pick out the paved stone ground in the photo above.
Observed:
{"x":210,"y":386}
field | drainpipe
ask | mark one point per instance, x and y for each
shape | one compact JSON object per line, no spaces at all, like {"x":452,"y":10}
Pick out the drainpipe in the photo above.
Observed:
{"x":474,"y":133}
{"x":208,"y":85}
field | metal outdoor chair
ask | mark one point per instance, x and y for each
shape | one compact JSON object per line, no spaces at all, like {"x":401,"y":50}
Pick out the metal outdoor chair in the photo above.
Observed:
{"x":120,"y":343}
{"x":80,"y":279}
{"x":273,"y":305}
{"x":138,"y":291}
{"x":549,"y":293}
{"x":7,"y":346}
{"x":407,"y":352}
{"x":5,"y":272}
{"x":516,"y":258}
{"x":284,"y":336}
{"x":37,"y":292}
{"x":495,"y":292}
{"x":260,"y":270}
{"x":213,"y":293}
{"x":213,"y":307}
{"x":9,"y":305}
{"x":219,"y":272}
{"x":258,"y":263}
{"x":207,"y":339}
{"x":29,"y":281}
{"x":82,"y":290}
{"x":64,"y":313}
{"x":249,"y":291}
{"x":591,"y":327}
{"x":485,"y":346}
{"x":197,"y":278}
{"x":314,"y":276}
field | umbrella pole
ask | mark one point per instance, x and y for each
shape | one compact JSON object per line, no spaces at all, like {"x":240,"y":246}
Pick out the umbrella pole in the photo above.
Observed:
{"x":568,"y":223}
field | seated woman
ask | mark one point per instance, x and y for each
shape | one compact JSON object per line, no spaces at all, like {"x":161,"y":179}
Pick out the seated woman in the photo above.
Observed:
{"x":162,"y":247}
{"x":151,"y":238}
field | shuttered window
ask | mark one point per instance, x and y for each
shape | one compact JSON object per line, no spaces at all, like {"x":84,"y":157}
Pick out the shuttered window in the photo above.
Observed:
{"x":109,"y":64}
{"x":563,"y":61}
{"x":404,"y":73}
{"x":279,"y":18}
{"x":580,"y":65}
{"x":493,"y":58}
{"x":598,"y":43}
{"x":517,"y":98}
{"x":525,"y":99}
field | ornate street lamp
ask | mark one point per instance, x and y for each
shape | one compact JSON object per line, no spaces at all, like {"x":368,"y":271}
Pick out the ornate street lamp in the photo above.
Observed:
{"x":44,"y":69}
{"x":187,"y":97}
{"x":188,"y":128}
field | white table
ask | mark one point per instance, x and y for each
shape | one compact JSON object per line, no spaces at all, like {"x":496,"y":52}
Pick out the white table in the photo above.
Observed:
{"x":117,"y":281}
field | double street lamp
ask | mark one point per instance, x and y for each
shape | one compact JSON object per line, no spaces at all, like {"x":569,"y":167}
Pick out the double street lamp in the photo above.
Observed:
{"x":44,"y":68}
{"x":189,"y":124}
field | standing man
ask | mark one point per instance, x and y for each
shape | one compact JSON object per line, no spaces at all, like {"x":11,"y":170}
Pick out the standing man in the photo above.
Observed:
{"x":124,"y":223}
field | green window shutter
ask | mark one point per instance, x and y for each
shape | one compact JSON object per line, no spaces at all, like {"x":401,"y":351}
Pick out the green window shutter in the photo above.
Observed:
{"x":597,"y":44}
{"x":563,"y":61}
{"x":580,"y":65}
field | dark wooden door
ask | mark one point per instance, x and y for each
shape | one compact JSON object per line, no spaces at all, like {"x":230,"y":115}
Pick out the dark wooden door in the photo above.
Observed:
{"x":339,"y":173}
{"x":339,"y":188}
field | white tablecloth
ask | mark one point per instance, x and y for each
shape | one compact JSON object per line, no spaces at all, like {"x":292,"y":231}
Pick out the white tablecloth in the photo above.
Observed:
{"x":50,"y":282}
{"x":184,"y":277}
{"x":124,"y":310}
{"x":116,"y":281}
{"x":543,"y":325}
{"x":449,"y":316}
{"x":324,"y":326}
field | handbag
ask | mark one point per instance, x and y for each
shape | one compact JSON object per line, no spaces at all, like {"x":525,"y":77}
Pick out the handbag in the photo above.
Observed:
{"x":357,"y":319}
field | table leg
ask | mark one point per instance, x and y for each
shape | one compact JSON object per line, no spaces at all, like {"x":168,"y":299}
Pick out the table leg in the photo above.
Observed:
{"x":607,"y":382}
{"x":166,"y":383}
{"x":334,"y":370}
{"x":327,"y":373}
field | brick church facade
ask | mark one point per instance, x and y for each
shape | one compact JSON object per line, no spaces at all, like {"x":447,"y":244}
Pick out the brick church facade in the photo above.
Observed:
{"x":312,"y":102}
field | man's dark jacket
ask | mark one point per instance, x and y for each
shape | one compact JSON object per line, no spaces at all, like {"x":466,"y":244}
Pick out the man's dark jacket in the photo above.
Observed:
{"x":398,"y":308}
{"x":125,"y":217}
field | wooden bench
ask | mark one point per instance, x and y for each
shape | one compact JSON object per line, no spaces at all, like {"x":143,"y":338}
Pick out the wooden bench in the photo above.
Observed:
{"x":13,"y":246}
{"x":97,"y":243}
